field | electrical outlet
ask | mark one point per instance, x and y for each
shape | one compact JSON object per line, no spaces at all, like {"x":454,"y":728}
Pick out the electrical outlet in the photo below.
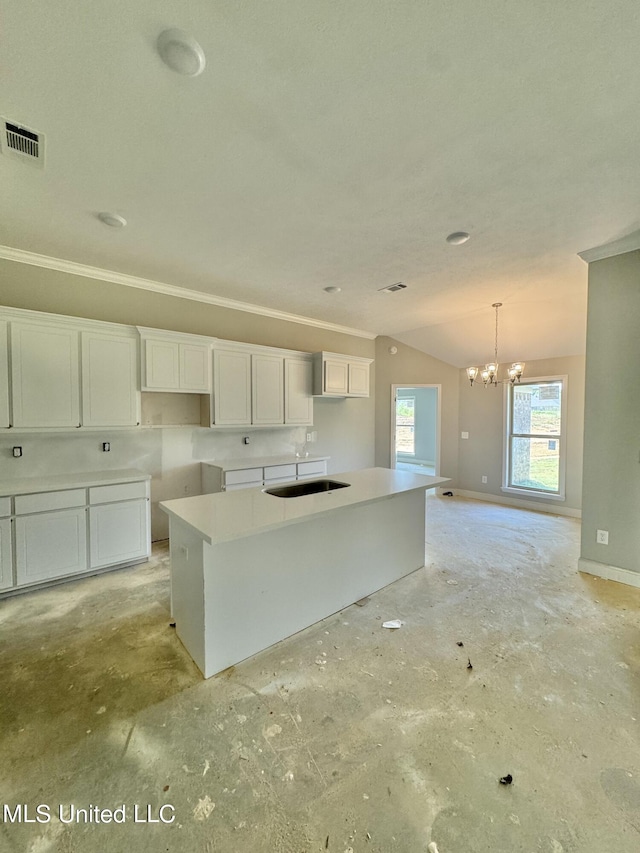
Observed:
{"x":246,"y":439}
{"x":17,"y":451}
{"x":464,"y":435}
{"x":484,"y":478}
{"x":602,"y":537}
{"x":106,"y":446}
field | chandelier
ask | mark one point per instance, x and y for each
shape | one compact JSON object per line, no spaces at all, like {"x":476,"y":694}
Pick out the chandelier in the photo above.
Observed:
{"x":489,"y":373}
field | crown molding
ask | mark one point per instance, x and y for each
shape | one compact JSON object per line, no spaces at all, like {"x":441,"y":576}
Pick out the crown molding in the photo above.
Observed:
{"x":629,"y":243}
{"x":21,"y":256}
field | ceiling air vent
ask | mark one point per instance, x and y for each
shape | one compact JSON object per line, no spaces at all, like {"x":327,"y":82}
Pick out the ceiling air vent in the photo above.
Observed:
{"x":21,"y":143}
{"x":393,"y":287}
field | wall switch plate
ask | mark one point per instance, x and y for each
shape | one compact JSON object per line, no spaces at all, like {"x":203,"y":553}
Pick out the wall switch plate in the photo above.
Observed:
{"x":106,"y":446}
{"x":464,"y":435}
{"x":602,"y":537}
{"x":17,"y":451}
{"x":484,"y":478}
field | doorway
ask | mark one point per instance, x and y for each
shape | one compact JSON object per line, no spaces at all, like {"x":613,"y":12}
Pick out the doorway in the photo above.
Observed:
{"x":415,"y":428}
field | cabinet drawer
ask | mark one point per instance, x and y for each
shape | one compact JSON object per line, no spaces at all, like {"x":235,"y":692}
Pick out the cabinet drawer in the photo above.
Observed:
{"x":46,"y":501}
{"x":117,"y":492}
{"x":5,"y":507}
{"x":280,"y":472}
{"x":235,"y":486}
{"x":245,"y":475}
{"x":310,"y":469}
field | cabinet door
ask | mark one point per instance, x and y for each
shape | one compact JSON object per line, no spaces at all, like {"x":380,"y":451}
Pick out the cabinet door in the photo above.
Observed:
{"x":109,"y":380}
{"x":194,"y":368}
{"x":358,"y":379}
{"x":50,"y":545}
{"x":161,"y":365}
{"x":46,"y":388}
{"x":267,"y":389}
{"x":298,"y":402}
{"x":336,"y":377}
{"x":231,"y":387}
{"x":6,"y":567}
{"x":4,"y":376}
{"x":118,"y":532}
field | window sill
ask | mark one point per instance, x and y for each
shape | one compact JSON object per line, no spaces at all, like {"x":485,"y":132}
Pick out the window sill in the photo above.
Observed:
{"x":532,"y":493}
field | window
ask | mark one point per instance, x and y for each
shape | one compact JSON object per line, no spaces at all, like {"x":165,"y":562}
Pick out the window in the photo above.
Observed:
{"x":405,"y":425}
{"x":535,"y":456}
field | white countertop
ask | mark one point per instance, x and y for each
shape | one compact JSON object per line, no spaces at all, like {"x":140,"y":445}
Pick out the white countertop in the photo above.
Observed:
{"x":224,"y":516}
{"x":261,"y":461}
{"x":56,"y":482}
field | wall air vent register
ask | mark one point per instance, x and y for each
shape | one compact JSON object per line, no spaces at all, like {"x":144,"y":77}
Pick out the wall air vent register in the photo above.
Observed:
{"x":21,"y":143}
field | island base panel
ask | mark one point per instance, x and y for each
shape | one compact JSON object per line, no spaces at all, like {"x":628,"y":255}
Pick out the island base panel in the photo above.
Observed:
{"x":233,"y":599}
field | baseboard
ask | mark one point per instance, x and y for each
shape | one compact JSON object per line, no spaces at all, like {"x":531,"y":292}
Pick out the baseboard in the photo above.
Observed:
{"x":610,"y":573}
{"x":505,"y":500}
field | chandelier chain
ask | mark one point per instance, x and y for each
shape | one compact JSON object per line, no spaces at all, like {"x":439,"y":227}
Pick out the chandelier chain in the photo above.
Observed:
{"x":496,"y":349}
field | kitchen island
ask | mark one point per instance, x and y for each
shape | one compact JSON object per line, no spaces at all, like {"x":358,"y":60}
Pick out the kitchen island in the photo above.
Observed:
{"x":249,"y":568}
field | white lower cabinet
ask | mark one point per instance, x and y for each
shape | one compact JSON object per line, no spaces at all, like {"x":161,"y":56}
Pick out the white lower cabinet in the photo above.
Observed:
{"x":216,"y":479}
{"x":6,"y":563}
{"x":60,"y":533}
{"x":118,"y":532}
{"x":50,"y":545}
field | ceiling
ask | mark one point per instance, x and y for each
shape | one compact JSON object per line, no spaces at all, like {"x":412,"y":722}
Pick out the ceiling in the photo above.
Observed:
{"x":337,"y":144}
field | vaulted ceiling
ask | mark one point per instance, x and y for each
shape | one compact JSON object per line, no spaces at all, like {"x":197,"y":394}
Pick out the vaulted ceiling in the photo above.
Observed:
{"x":336,"y":144}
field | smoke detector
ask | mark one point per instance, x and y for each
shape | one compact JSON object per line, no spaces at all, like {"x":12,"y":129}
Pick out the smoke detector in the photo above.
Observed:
{"x":392,"y":288}
{"x":22,"y":143}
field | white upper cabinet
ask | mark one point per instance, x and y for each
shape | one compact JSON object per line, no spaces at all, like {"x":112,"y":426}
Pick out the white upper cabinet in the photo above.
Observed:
{"x":194,"y":367}
{"x":175,"y":362}
{"x":4,"y":376}
{"x":109,"y":379}
{"x":358,"y":379}
{"x":298,"y":402}
{"x":337,"y":375}
{"x":161,"y":365}
{"x":45,"y":375}
{"x":267,"y":389}
{"x":231,"y":402}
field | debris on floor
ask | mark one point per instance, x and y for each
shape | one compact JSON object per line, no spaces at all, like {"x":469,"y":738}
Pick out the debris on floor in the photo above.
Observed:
{"x":460,"y":643}
{"x":447,"y":494}
{"x":172,"y":624}
{"x":392,"y":623}
{"x":506,"y":780}
{"x":361,"y":602}
{"x":469,"y":664}
{"x":433,"y":847}
{"x":453,"y":583}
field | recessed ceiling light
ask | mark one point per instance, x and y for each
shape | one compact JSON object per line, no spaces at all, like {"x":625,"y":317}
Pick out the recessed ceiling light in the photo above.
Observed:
{"x":458,"y":237}
{"x":181,"y":52}
{"x":332,"y":289}
{"x":113,"y":220}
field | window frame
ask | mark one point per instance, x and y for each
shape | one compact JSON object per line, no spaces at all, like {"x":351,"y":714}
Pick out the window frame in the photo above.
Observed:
{"x":529,"y":492}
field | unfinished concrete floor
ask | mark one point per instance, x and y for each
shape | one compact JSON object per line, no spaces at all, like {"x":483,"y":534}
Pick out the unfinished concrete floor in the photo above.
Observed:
{"x":347,"y":736}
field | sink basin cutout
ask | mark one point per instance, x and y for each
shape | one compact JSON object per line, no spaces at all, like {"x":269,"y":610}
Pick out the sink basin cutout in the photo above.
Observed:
{"x":309,"y":487}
